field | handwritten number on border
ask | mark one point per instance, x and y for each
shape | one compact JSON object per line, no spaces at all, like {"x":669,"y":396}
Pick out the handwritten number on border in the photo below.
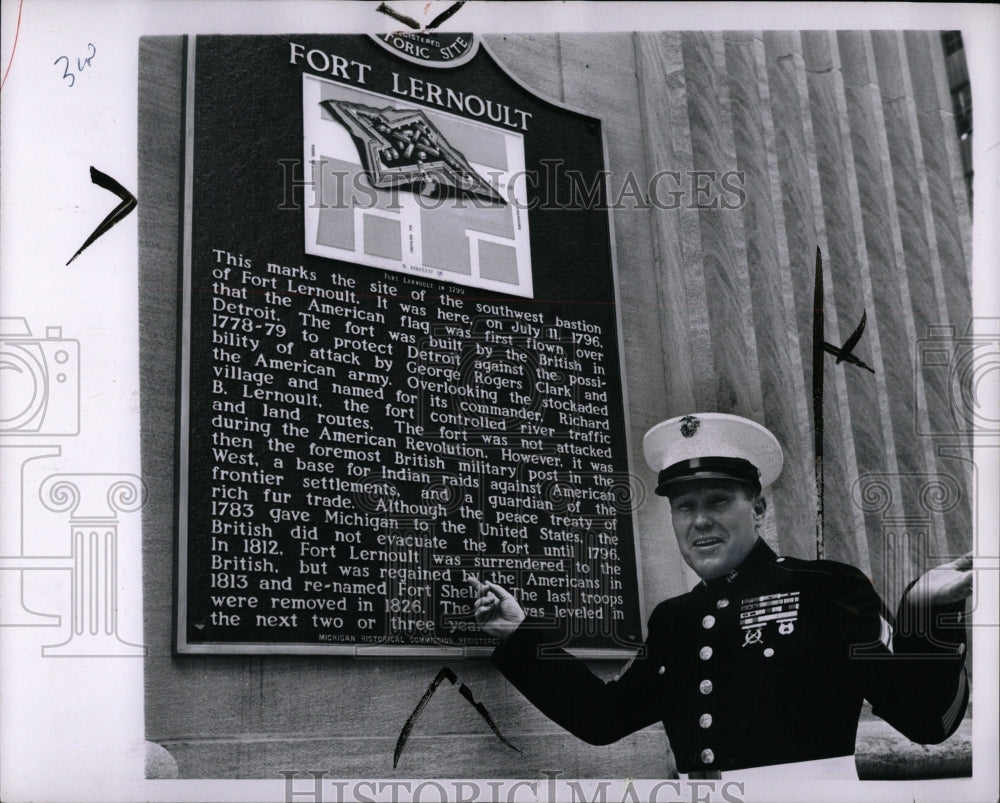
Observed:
{"x":81,"y":63}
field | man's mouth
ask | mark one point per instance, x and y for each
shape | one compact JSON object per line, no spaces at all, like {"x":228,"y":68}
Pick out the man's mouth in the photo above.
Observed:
{"x":706,"y":542}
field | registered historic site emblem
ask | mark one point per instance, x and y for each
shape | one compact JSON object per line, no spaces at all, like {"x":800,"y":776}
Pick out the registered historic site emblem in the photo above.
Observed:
{"x":430,"y":49}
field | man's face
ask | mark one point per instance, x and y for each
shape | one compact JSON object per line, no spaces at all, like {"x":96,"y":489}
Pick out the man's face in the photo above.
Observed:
{"x":715,"y":523}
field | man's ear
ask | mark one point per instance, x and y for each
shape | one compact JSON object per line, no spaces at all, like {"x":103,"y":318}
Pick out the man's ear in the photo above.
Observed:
{"x":759,"y":506}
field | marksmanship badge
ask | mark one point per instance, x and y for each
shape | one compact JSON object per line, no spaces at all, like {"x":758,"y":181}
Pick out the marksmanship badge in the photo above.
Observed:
{"x":756,"y":613}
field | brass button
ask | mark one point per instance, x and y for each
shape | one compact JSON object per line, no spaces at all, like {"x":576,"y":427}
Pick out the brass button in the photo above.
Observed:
{"x":708,"y":622}
{"x":705,"y":653}
{"x":722,"y":603}
{"x":707,"y":756}
{"x":768,"y":652}
{"x":705,"y":720}
{"x":661,"y":670}
{"x":705,"y":687}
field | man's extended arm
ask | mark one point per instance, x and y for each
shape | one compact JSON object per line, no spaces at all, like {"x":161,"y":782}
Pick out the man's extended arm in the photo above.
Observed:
{"x":560,"y":686}
{"x":916,"y":678}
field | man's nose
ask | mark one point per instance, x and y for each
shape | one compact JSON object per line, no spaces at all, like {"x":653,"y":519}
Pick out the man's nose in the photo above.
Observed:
{"x":702,"y":519}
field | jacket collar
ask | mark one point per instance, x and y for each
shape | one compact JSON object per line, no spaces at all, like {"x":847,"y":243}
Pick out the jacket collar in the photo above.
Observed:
{"x":756,"y":561}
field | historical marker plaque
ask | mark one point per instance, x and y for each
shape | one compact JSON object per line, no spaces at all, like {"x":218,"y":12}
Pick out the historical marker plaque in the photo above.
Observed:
{"x":399,"y":353}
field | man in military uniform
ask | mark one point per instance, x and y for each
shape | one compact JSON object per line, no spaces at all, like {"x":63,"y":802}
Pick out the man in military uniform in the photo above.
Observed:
{"x":767,"y":660}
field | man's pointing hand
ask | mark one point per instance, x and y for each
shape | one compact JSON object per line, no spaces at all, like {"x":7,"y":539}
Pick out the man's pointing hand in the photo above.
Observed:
{"x":496,"y":610}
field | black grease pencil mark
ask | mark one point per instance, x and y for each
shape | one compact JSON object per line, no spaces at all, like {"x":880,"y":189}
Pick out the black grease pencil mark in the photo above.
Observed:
{"x":817,"y":394}
{"x":445,"y":673}
{"x":466,"y":692}
{"x":843,"y":354}
{"x":445,"y":15}
{"x":404,"y":734}
{"x":120,"y":212}
{"x":390,"y":12}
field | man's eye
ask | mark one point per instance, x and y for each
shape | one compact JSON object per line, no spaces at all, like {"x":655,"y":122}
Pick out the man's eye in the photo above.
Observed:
{"x":683,"y":507}
{"x":720,"y":503}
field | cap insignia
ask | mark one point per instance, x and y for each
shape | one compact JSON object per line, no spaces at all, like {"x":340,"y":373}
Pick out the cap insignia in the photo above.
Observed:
{"x":689,"y":425}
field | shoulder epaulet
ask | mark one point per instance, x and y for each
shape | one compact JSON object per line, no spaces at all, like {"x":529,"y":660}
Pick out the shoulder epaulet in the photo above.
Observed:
{"x":833,"y":568}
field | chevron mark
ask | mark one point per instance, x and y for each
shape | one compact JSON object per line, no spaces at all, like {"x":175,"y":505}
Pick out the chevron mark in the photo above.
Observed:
{"x":445,"y":15}
{"x":445,"y":673}
{"x":844,"y":353}
{"x":120,"y":212}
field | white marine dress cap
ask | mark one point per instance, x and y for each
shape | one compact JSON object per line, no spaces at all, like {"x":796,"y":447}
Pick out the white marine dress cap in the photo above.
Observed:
{"x":712,"y":446}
